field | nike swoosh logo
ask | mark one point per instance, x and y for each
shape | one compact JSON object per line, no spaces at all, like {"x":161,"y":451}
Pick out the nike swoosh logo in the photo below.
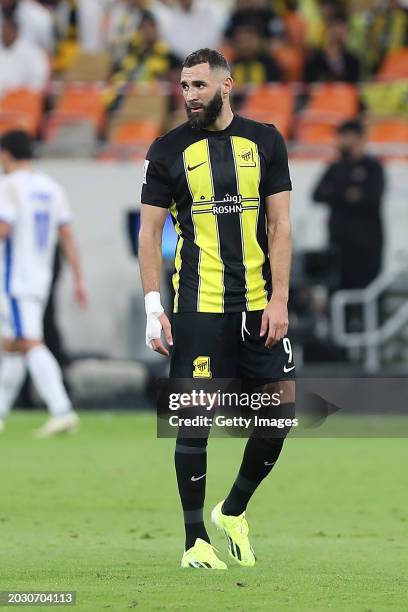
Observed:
{"x":286,"y":369}
{"x":195,"y":478}
{"x":269,"y":463}
{"x":190,"y":168}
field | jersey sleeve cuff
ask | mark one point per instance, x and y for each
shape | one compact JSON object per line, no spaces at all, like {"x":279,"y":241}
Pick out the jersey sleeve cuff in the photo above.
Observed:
{"x":286,"y":187}
{"x":157,"y":204}
{"x":65,"y":221}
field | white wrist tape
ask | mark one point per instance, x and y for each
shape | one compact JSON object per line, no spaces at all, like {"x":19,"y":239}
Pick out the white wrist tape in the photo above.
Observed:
{"x":154,"y":310}
{"x":153,"y":303}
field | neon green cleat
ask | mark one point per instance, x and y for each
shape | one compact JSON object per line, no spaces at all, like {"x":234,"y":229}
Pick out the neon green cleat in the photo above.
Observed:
{"x":237,"y":531}
{"x":202,"y":556}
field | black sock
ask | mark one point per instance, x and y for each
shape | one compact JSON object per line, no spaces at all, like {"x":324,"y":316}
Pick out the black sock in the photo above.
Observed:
{"x":260,"y":455}
{"x":259,"y":458}
{"x":191,"y":467}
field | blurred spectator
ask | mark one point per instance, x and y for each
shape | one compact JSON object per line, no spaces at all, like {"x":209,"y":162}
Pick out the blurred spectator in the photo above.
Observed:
{"x":333,"y":62}
{"x":318,"y":14}
{"x":147,"y":60}
{"x":296,"y":27}
{"x":250,"y":64}
{"x":22,"y":63}
{"x":353,"y":188}
{"x":258,"y":15}
{"x":124,"y":19}
{"x":376,"y":31}
{"x":190,"y":25}
{"x":34,"y":21}
{"x":79,"y":25}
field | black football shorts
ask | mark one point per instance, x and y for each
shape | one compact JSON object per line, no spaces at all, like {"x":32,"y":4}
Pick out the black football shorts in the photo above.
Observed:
{"x":227,"y":345}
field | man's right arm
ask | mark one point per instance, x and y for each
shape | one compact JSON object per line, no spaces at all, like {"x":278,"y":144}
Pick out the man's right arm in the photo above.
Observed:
{"x":152,"y":220}
{"x":71,"y":253}
{"x":325,"y":191}
{"x":157,"y":195}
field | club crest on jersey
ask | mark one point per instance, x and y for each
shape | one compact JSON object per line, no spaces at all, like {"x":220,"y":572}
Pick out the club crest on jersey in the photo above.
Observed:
{"x":201,"y":367}
{"x":246,"y":158}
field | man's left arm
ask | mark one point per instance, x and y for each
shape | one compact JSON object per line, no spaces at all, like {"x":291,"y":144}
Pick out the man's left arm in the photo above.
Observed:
{"x":369,"y":193}
{"x":5,"y":229}
{"x":275,"y":318}
{"x":7,"y":210}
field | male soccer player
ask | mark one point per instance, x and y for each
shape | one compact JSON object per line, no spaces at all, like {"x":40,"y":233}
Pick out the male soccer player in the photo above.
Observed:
{"x":34,"y":215}
{"x":226,"y":181}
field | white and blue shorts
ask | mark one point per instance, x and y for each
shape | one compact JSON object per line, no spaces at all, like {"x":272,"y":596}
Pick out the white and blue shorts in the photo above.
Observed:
{"x":21,"y":318}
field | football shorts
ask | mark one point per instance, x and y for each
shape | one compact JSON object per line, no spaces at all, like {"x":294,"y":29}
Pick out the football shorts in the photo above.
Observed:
{"x":227,"y":345}
{"x":21,"y":318}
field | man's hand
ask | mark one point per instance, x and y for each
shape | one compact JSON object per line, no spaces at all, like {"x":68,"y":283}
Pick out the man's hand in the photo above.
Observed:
{"x":275,"y":321}
{"x":354,"y":194}
{"x":81,"y":294}
{"x":155,"y":324}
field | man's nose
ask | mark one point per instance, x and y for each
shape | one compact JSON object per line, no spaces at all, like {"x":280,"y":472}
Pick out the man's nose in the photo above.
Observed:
{"x":191,"y":94}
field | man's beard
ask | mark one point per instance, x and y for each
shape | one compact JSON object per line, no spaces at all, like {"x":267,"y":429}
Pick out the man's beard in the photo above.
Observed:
{"x":209,"y":114}
{"x":345,"y":153}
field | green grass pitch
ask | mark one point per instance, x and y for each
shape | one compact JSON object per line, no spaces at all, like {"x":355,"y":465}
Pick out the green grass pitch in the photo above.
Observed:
{"x":98,"y":513}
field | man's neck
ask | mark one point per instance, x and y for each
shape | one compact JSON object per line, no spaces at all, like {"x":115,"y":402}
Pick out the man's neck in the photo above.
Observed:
{"x":357,"y":154}
{"x":223,"y":120}
{"x":20,"y":165}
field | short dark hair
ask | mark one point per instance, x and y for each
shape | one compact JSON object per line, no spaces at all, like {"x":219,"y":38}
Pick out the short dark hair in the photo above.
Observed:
{"x":352,"y":125}
{"x":213,"y":58}
{"x":10,"y":20}
{"x":147,"y":16}
{"x":17,"y":143}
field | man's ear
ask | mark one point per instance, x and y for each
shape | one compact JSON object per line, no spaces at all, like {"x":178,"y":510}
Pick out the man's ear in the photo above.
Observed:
{"x":227,"y":86}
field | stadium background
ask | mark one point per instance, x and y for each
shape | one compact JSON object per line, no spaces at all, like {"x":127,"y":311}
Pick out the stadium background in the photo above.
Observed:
{"x":85,"y":512}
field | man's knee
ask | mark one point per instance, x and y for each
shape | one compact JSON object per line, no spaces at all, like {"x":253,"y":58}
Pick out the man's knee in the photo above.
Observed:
{"x":285,"y":389}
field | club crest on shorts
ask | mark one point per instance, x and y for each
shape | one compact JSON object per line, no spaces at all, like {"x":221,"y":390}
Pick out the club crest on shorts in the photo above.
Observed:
{"x":201,"y":367}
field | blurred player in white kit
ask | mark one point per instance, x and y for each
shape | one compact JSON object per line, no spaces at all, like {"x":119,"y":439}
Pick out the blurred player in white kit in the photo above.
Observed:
{"x":34,"y":217}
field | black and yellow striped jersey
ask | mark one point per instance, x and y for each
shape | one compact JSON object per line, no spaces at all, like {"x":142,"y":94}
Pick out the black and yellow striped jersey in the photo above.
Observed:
{"x":215,"y":184}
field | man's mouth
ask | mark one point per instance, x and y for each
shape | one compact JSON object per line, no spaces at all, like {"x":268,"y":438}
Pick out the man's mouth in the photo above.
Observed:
{"x":195,"y":109}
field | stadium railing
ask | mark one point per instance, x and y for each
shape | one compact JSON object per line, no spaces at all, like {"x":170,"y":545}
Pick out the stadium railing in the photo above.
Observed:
{"x":375,"y":333}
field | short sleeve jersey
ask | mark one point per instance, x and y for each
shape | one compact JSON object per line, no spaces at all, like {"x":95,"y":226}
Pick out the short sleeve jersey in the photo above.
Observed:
{"x":35,"y":206}
{"x":215,"y":184}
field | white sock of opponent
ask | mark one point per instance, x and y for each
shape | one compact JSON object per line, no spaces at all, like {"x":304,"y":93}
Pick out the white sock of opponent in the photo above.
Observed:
{"x":12,"y":373}
{"x":47,"y":377}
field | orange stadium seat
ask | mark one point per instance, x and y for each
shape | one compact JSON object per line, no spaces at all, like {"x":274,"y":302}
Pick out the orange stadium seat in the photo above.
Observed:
{"x":77,"y":104}
{"x":388,"y":131}
{"x":332,"y":103}
{"x":291,"y":60}
{"x":21,"y":108}
{"x":271,"y":104}
{"x":135,"y":133}
{"x":282,"y":120}
{"x":395,"y":65}
{"x":316,"y":134}
{"x":271,"y":98}
{"x":129,"y":140}
{"x":15,"y":121}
